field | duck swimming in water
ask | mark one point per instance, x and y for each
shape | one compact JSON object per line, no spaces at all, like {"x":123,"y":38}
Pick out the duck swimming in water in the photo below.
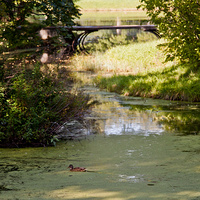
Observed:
{"x":76,"y":169}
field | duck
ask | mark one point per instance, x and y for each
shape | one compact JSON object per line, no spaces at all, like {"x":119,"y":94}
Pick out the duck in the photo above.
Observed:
{"x":77,"y":169}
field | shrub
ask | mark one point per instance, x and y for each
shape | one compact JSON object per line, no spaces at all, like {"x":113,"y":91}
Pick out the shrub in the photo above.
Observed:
{"x":33,"y":106}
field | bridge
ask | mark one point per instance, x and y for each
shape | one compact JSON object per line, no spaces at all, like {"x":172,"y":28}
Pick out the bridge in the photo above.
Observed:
{"x":77,"y":42}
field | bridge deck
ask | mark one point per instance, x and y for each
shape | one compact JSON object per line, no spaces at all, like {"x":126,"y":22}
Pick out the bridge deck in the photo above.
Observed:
{"x":96,"y":28}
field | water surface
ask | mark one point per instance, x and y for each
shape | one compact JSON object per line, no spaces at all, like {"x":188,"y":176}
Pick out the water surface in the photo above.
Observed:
{"x":133,"y":156}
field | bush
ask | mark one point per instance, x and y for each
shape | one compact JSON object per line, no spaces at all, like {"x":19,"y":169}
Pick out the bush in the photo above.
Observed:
{"x":33,"y":106}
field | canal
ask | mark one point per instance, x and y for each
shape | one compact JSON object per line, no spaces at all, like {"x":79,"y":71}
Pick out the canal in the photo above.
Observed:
{"x":130,"y":151}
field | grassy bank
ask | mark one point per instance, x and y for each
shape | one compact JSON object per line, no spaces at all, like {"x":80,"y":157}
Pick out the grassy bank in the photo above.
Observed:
{"x":101,"y":9}
{"x":104,"y":4}
{"x":138,"y":69}
{"x":112,"y":15}
{"x":173,"y":83}
{"x":131,"y":58}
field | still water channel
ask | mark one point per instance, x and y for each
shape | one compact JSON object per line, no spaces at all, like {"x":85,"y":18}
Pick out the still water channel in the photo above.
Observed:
{"x":131,"y":152}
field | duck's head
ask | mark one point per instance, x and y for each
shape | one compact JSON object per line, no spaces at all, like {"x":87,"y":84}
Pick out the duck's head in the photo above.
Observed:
{"x":71,"y":166}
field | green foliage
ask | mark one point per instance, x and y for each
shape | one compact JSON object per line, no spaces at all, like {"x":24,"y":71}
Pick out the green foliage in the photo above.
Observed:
{"x":33,"y":106}
{"x":145,"y":37}
{"x":13,"y":37}
{"x":178,"y":21}
{"x":16,"y":30}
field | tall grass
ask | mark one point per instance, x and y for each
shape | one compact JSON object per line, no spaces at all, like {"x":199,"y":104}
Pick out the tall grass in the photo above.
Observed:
{"x":133,"y":57}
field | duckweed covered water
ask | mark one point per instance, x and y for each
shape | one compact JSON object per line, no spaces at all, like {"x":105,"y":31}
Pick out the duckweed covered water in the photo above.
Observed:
{"x":137,"y":154}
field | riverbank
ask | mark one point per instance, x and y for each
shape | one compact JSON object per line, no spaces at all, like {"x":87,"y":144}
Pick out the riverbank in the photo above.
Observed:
{"x":138,"y":69}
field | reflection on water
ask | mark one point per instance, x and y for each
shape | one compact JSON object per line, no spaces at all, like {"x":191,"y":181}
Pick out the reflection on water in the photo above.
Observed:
{"x":132,"y":179}
{"x":118,"y":115}
{"x":119,"y":120}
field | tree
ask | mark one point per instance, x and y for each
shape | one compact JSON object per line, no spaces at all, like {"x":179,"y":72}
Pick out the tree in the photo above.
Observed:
{"x":17,"y":28}
{"x":179,"y":22}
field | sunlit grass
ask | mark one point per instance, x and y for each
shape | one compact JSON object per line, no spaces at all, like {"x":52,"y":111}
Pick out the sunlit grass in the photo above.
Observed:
{"x":172,"y":83}
{"x":138,"y":69}
{"x":98,"y":11}
{"x":102,"y":15}
{"x":98,"y":4}
{"x":134,"y":58}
